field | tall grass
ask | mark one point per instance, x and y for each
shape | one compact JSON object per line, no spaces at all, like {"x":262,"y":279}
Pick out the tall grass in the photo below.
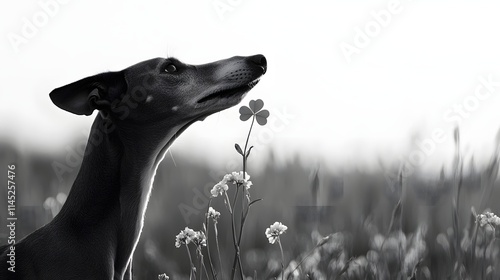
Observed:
{"x":348,"y":225}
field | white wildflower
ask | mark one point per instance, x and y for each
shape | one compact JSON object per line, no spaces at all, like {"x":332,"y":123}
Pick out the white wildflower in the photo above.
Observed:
{"x":228,"y":178}
{"x":163,"y":277}
{"x":212,"y":213}
{"x":184,"y":237}
{"x":248,"y":184}
{"x":488,"y":218}
{"x":219,"y":188}
{"x":199,"y":239}
{"x":274,"y":231}
{"x":237,"y":177}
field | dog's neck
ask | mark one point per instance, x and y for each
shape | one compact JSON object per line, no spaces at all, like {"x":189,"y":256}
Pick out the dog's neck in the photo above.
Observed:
{"x":111,"y":191}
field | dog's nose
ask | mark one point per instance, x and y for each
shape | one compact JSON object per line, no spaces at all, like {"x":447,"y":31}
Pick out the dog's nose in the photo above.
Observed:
{"x":260,"y":60}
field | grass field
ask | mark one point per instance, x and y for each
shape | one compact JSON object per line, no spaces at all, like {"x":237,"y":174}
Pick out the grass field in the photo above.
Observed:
{"x":372,"y":226}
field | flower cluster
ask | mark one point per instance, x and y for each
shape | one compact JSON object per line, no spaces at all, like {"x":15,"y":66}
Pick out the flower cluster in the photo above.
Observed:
{"x":213,"y":214}
{"x":274,"y":231}
{"x":235,"y":178}
{"x":219,"y":188}
{"x":188,"y":235}
{"x":184,"y":237}
{"x":199,"y":239}
{"x":488,"y":218}
{"x":163,"y":277}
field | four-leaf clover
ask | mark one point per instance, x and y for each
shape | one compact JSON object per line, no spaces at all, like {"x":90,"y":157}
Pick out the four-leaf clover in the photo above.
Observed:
{"x":254,"y":109}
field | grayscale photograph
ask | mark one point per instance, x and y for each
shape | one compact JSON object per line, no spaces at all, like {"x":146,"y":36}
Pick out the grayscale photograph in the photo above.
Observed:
{"x":250,"y":140}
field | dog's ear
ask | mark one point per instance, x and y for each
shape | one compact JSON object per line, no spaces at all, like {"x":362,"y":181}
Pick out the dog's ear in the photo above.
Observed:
{"x":84,"y":96}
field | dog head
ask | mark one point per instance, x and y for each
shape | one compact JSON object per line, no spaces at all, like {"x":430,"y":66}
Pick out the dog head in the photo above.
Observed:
{"x":163,"y":88}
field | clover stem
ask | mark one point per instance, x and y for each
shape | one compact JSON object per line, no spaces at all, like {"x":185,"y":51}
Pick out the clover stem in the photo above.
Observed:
{"x":237,"y":259}
{"x":246,"y":145}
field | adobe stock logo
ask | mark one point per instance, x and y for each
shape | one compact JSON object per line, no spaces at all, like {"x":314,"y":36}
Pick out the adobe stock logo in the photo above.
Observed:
{"x":31,"y":26}
{"x":459,"y":112}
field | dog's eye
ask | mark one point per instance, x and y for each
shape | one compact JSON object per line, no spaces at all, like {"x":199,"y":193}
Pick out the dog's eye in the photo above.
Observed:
{"x":170,"y":68}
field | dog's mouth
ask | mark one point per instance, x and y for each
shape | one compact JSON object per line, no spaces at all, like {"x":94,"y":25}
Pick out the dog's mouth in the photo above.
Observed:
{"x":226,"y":95}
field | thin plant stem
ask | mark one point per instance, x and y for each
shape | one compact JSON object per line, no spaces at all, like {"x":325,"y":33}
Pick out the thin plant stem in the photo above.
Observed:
{"x":235,"y":196}
{"x":202,"y":263}
{"x":345,"y":268}
{"x":228,"y":203}
{"x":207,"y":223}
{"x":282,"y":260}
{"x":191,"y":263}
{"x":237,"y":257}
{"x":303,"y":259}
{"x":212,"y":270}
{"x":237,"y":243}
{"x":457,"y":181}
{"x":233,"y":229}
{"x":246,"y":145}
{"x":243,"y":219}
{"x":233,"y":269}
{"x":217,"y":244}
{"x":240,"y":266}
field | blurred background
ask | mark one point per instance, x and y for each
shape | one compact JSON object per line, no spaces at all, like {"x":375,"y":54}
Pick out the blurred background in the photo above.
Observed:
{"x":357,"y":92}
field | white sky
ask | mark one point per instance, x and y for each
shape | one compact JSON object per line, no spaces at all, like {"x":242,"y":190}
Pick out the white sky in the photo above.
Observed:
{"x":395,"y":90}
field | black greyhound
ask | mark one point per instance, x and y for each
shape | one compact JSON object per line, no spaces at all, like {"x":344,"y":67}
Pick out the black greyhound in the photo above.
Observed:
{"x":142,"y":109}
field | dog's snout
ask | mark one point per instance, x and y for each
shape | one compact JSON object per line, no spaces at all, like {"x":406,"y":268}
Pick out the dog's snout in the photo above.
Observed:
{"x":260,"y":60}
